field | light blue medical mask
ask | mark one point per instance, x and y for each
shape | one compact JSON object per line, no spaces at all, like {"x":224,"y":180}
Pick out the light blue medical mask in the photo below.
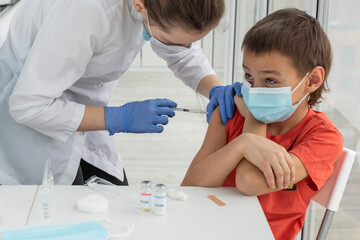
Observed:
{"x":270,"y":105}
{"x":92,"y":230}
{"x":149,"y":37}
{"x":146,"y":35}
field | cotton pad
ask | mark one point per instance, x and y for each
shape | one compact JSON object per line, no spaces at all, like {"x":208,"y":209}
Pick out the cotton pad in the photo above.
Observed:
{"x":179,"y":195}
{"x":93,"y":203}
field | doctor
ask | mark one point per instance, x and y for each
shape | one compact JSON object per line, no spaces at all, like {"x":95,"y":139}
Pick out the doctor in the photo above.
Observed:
{"x":58,"y":68}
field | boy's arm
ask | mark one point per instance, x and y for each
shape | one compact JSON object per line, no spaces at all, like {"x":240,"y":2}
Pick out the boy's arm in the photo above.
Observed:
{"x":251,"y":125}
{"x":215,"y":159}
{"x":251,"y":180}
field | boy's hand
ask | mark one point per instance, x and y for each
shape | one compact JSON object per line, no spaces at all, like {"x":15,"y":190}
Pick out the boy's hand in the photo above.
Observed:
{"x":271,"y":158}
{"x":241,"y":106}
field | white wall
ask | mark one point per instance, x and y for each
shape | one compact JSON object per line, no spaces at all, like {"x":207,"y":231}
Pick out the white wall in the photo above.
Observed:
{"x":344,"y":78}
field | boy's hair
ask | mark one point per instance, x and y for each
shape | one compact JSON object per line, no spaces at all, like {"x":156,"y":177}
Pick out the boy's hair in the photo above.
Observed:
{"x":192,"y":15}
{"x":297,"y":35}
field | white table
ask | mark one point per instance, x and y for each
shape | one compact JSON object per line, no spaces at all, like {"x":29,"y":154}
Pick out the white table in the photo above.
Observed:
{"x":196,"y":218}
{"x":15,"y":205}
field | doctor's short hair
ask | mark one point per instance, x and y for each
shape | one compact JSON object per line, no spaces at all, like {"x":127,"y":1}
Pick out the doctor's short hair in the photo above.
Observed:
{"x":298,"y":36}
{"x":192,"y":15}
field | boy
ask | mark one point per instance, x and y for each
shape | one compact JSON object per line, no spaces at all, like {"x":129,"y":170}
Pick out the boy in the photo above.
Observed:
{"x":287,"y":58}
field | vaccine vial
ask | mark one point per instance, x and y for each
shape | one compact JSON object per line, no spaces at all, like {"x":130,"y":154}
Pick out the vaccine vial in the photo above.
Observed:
{"x":145,"y":196}
{"x":160,"y":200}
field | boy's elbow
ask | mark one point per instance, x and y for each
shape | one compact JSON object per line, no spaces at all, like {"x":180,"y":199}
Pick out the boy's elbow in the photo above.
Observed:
{"x":190,"y":182}
{"x":186,"y":183}
{"x":246,"y":184}
{"x":196,"y":184}
{"x":199,"y":182}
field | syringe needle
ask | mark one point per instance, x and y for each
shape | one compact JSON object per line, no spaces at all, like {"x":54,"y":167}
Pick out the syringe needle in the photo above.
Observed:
{"x":189,"y":110}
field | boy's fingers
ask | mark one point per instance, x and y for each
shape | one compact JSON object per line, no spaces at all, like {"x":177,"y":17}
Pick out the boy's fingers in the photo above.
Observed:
{"x":287,"y":175}
{"x":279,"y":174}
{"x":269,"y":176}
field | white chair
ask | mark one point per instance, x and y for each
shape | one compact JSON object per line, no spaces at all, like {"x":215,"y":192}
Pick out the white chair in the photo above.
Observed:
{"x":331,"y":193}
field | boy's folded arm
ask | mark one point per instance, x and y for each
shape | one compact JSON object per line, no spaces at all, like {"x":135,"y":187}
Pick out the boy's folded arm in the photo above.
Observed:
{"x":214,"y":169}
{"x":277,"y":171}
{"x":251,"y":181}
{"x":215,"y":159}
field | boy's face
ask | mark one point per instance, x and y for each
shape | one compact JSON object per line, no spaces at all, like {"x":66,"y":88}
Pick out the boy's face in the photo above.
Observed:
{"x":273,"y":70}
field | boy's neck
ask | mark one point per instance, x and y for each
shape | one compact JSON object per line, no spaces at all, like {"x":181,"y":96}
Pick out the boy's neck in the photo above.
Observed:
{"x":281,"y":128}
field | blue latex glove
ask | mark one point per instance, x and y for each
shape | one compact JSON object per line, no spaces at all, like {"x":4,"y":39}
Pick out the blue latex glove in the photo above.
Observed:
{"x":223,"y":96}
{"x":237,"y":88}
{"x":139,"y":117}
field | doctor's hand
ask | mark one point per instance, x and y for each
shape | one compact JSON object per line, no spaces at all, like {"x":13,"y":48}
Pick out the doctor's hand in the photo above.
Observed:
{"x":271,"y":158}
{"x":139,"y":117}
{"x":223,"y":96}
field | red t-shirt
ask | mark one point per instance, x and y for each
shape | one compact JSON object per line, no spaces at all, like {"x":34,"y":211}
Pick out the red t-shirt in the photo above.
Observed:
{"x":317,"y":143}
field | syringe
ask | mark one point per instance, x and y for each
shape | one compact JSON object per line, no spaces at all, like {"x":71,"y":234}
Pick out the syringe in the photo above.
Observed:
{"x":189,"y":110}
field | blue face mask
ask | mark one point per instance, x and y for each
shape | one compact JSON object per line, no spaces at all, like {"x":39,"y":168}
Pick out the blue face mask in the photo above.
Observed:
{"x":146,"y":35}
{"x":149,"y":37}
{"x":81,"y":231}
{"x":270,"y":105}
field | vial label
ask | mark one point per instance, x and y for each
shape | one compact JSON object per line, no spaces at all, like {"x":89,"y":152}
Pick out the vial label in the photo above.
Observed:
{"x":160,"y":205}
{"x":145,"y":201}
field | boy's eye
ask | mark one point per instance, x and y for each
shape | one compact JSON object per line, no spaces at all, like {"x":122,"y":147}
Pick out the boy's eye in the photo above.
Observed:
{"x":269,"y":81}
{"x":248,"y":76}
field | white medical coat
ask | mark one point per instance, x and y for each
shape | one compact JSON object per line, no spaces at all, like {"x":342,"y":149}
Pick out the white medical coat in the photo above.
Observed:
{"x":59,"y":56}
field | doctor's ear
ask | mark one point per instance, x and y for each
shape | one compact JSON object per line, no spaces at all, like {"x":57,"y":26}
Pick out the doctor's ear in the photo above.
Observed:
{"x":316,"y":78}
{"x":139,"y":6}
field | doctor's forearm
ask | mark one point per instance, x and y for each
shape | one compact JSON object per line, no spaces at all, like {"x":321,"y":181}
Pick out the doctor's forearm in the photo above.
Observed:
{"x":93,"y":120}
{"x":207,"y":83}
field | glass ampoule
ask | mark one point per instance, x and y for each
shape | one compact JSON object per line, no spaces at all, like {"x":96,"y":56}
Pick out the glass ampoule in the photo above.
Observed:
{"x":46,"y":192}
{"x":160,"y":200}
{"x":145,"y":196}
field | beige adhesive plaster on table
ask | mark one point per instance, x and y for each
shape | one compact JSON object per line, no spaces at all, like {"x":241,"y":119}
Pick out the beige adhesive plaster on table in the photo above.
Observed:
{"x":216,"y":200}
